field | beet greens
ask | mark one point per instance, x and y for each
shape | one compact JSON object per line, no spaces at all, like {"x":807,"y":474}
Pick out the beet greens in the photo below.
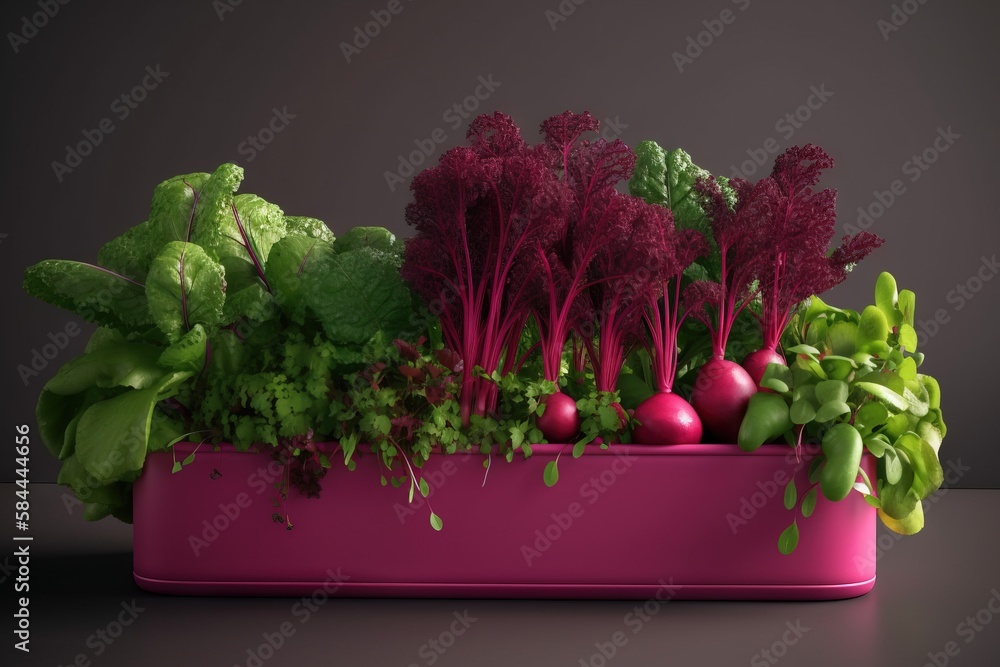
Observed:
{"x":476,"y":213}
{"x":799,"y":226}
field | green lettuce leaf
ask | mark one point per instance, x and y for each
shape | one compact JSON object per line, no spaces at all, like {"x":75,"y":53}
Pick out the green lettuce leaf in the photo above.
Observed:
{"x":94,"y":293}
{"x":291,"y":259}
{"x":667,"y":178}
{"x":112,"y":435}
{"x":121,"y":364}
{"x":356,"y":293}
{"x":188,"y":353}
{"x":185,"y":287}
{"x":213,"y":216}
{"x":377,"y":238}
{"x":171,"y":218}
{"x":297,"y":225}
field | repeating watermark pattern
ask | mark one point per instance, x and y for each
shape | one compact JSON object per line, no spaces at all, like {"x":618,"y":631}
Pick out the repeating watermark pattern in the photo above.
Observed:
{"x":364,"y":34}
{"x":303,"y":610}
{"x":432,"y":650}
{"x":223,"y":7}
{"x":31,"y":24}
{"x":779,"y":649}
{"x":102,"y":638}
{"x":767,"y":490}
{"x":39,"y":359}
{"x":953,"y":472}
{"x":255,"y":143}
{"x":562,"y":12}
{"x":7,"y":568}
{"x":967,"y":629}
{"x":262,"y":479}
{"x":786,"y":126}
{"x":562,"y":522}
{"x":634,"y":621}
{"x":898,"y":17}
{"x":914,"y":168}
{"x":455,"y":116}
{"x":435,"y":480}
{"x":121,"y":108}
{"x":958,"y":297}
{"x":698,"y":43}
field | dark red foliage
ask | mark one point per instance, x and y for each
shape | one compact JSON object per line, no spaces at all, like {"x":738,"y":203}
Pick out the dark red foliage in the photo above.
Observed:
{"x":598,"y":216}
{"x":475,"y":213}
{"x":664,"y":313}
{"x":738,"y":233}
{"x":303,"y":471}
{"x":799,"y":226}
{"x":626,"y":274}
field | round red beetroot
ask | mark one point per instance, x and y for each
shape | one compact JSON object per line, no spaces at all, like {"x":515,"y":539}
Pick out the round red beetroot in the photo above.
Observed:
{"x":756,"y":363}
{"x":666,"y":419}
{"x":560,"y":421}
{"x":721,"y":393}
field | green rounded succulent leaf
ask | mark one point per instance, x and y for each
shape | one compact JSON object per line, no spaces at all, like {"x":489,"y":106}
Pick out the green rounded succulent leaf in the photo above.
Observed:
{"x":766,"y":418}
{"x":842,"y":447}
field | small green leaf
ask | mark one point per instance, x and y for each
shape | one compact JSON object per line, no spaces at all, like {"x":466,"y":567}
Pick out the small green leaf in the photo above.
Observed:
{"x":908,"y":337}
{"x":893,"y":466}
{"x":830,"y":391}
{"x":911,"y":524}
{"x":551,"y":473}
{"x":832,"y":410}
{"x":837,"y":367}
{"x":177,"y":467}
{"x":424,"y":488}
{"x":908,"y":369}
{"x":842,"y":338}
{"x":775,"y":384}
{"x":766,"y":418}
{"x":873,"y":501}
{"x":777,"y":377}
{"x":789,"y":539}
{"x":804,"y":349}
{"x":876,"y":446}
{"x":873,"y":329}
{"x":188,"y":460}
{"x":906,"y":304}
{"x":842,"y":447}
{"x":802,"y":412}
{"x":791,"y":495}
{"x":870,"y":415}
{"x":436,"y":522}
{"x":809,"y":502}
{"x":884,"y":393}
{"x":886,"y":297}
{"x":927,"y":473}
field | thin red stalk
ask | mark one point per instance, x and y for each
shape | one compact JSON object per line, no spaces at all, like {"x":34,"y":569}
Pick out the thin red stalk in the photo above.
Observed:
{"x":249,"y":248}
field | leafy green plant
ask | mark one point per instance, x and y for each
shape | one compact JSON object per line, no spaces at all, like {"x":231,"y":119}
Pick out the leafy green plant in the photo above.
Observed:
{"x":854,"y":386}
{"x":218,"y":313}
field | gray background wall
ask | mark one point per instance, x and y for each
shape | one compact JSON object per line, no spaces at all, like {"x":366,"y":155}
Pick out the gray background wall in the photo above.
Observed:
{"x":887,"y":94}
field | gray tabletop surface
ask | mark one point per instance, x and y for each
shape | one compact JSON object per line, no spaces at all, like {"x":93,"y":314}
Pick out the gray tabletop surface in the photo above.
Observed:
{"x":936,"y":602}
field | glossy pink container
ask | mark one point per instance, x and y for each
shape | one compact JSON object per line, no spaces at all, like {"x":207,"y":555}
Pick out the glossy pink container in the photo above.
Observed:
{"x":683,"y":522}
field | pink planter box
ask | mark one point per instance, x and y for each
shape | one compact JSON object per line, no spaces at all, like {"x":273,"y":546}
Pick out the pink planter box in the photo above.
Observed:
{"x":688,"y":521}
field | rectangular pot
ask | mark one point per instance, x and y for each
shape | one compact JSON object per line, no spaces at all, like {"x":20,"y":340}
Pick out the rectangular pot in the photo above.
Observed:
{"x":685,"y":521}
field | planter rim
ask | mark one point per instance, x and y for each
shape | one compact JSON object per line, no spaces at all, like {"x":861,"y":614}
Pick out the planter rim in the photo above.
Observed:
{"x":551,"y":450}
